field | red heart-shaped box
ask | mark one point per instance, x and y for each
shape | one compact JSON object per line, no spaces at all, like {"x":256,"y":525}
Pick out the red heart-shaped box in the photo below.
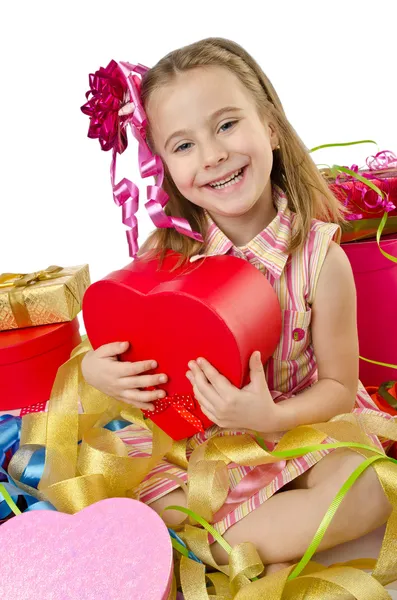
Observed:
{"x":219,"y":307}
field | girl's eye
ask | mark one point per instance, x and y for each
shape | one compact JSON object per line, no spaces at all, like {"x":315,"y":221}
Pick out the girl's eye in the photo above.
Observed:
{"x":183,"y":147}
{"x":227,"y":125}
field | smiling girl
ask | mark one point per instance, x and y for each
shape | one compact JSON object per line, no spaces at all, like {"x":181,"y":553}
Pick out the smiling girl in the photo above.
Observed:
{"x":238,"y":172}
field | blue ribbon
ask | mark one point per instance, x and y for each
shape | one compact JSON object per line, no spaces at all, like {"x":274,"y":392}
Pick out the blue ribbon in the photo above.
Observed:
{"x":176,"y":537}
{"x":34,"y":469}
{"x":10,"y":434}
{"x":15,"y":491}
{"x":117,"y":424}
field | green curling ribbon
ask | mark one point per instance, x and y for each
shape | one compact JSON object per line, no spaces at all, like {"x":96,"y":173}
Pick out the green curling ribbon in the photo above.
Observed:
{"x":380,"y":364}
{"x":342,"y":144}
{"x":364,"y":180}
{"x":329,"y":515}
{"x":378,"y":236}
{"x":217,"y":536}
{"x":9,"y":500}
{"x":179,"y":548}
{"x":287,"y":454}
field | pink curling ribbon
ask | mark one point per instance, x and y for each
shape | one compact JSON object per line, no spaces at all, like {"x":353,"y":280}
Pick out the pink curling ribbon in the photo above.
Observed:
{"x":385,"y":159}
{"x":110,"y":89}
{"x":358,"y":194}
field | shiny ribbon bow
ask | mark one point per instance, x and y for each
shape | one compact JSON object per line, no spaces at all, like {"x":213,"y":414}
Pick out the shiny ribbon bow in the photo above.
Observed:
{"x":10,"y":434}
{"x":24,"y":279}
{"x":111,"y":88}
{"x":359,"y":191}
{"x":18,"y":281}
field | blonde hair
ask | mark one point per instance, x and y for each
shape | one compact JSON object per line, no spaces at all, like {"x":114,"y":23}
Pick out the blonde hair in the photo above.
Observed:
{"x":293,"y":168}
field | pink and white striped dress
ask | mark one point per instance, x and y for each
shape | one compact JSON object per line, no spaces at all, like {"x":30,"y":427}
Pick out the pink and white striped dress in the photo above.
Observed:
{"x":291,"y":369}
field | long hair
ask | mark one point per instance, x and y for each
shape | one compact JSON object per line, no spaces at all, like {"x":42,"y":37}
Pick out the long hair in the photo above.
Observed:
{"x":293,"y":168}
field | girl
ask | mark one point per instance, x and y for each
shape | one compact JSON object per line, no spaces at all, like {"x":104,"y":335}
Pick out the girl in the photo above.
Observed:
{"x":236,"y":169}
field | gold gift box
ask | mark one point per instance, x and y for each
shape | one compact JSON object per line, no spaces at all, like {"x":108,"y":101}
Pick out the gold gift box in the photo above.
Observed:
{"x":53,"y":295}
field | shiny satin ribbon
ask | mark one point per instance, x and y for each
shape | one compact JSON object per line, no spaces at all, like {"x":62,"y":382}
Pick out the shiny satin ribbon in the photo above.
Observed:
{"x":102,"y":469}
{"x":18,"y":282}
{"x":382,"y":160}
{"x":9,"y":493}
{"x":110,"y":128}
{"x":182,"y":404}
{"x":10,"y":433}
{"x":384,"y":393}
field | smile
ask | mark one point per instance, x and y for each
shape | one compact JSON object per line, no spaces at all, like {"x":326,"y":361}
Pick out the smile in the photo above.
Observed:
{"x":232,"y":180}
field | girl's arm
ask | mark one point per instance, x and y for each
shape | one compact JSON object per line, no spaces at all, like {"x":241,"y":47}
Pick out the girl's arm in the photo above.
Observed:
{"x":335,"y":342}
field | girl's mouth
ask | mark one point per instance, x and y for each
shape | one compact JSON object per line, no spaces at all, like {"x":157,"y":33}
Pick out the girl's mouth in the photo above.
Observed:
{"x":231,"y":184}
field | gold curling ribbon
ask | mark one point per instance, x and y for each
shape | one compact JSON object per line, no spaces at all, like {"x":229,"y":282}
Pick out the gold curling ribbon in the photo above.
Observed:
{"x":18,"y":281}
{"x":197,"y":540}
{"x":177,"y":454}
{"x":192,"y":576}
{"x":386,"y":566}
{"x":270,"y":587}
{"x":100,"y":467}
{"x":358,"y":584}
{"x":244,"y":564}
{"x":209,"y":500}
{"x":173,"y":590}
{"x":221,"y":586}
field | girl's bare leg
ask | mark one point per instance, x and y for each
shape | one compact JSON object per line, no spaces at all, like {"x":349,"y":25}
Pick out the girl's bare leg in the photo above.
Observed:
{"x":283,"y":526}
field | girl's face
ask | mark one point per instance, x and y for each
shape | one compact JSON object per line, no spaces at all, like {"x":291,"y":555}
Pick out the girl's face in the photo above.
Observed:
{"x":206,"y":127}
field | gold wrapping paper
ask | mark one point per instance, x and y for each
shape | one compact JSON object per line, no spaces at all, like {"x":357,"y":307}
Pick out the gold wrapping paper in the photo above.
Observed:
{"x":363,"y":229}
{"x":53,"y":295}
{"x":101,"y":468}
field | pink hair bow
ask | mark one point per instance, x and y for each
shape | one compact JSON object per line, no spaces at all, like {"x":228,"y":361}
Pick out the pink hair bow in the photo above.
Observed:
{"x":110,"y":89}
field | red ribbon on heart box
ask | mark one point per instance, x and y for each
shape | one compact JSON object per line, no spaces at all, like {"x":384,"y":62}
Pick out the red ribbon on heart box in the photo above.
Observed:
{"x":178,"y":413}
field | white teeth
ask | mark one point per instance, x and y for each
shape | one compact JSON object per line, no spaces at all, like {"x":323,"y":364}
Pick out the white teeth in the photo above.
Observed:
{"x":235,"y":178}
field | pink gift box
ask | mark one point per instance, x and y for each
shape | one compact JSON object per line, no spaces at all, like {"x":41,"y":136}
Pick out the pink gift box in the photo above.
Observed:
{"x":376,"y":282}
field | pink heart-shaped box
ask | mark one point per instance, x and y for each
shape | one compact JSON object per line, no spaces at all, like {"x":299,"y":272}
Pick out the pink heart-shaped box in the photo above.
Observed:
{"x":220,"y":307}
{"x":116,"y":549}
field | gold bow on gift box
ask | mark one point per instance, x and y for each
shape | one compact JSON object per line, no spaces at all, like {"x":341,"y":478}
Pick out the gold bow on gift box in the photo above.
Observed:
{"x":53,"y":295}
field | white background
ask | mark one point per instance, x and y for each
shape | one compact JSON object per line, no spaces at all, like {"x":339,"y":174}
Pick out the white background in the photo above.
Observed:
{"x":332,"y":63}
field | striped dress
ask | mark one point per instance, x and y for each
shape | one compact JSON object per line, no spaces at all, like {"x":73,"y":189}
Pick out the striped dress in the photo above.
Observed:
{"x":290,"y":370}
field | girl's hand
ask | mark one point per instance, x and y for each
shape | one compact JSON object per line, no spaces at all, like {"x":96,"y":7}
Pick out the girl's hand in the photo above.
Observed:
{"x":249,"y":408}
{"x":122,"y":380}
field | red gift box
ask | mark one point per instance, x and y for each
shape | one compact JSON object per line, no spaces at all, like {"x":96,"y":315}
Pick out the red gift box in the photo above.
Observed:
{"x":29,"y":360}
{"x":366,"y":207}
{"x":220,"y":307}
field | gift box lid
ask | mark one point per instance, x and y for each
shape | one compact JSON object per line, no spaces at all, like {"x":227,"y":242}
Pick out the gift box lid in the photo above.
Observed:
{"x":21,"y":344}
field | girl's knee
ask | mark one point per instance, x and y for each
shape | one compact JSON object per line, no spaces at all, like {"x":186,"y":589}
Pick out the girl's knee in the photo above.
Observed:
{"x":172,"y":518}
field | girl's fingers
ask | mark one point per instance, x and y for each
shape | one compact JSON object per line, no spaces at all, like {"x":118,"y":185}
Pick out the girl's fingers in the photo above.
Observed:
{"x":206,"y":406}
{"x":130,"y":369}
{"x":221,"y":384}
{"x":140,"y":405}
{"x":202,"y":383}
{"x":141,"y":397}
{"x":142,"y":381}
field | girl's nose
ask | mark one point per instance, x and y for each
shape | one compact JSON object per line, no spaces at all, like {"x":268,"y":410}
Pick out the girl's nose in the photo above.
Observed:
{"x":214,"y":154}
